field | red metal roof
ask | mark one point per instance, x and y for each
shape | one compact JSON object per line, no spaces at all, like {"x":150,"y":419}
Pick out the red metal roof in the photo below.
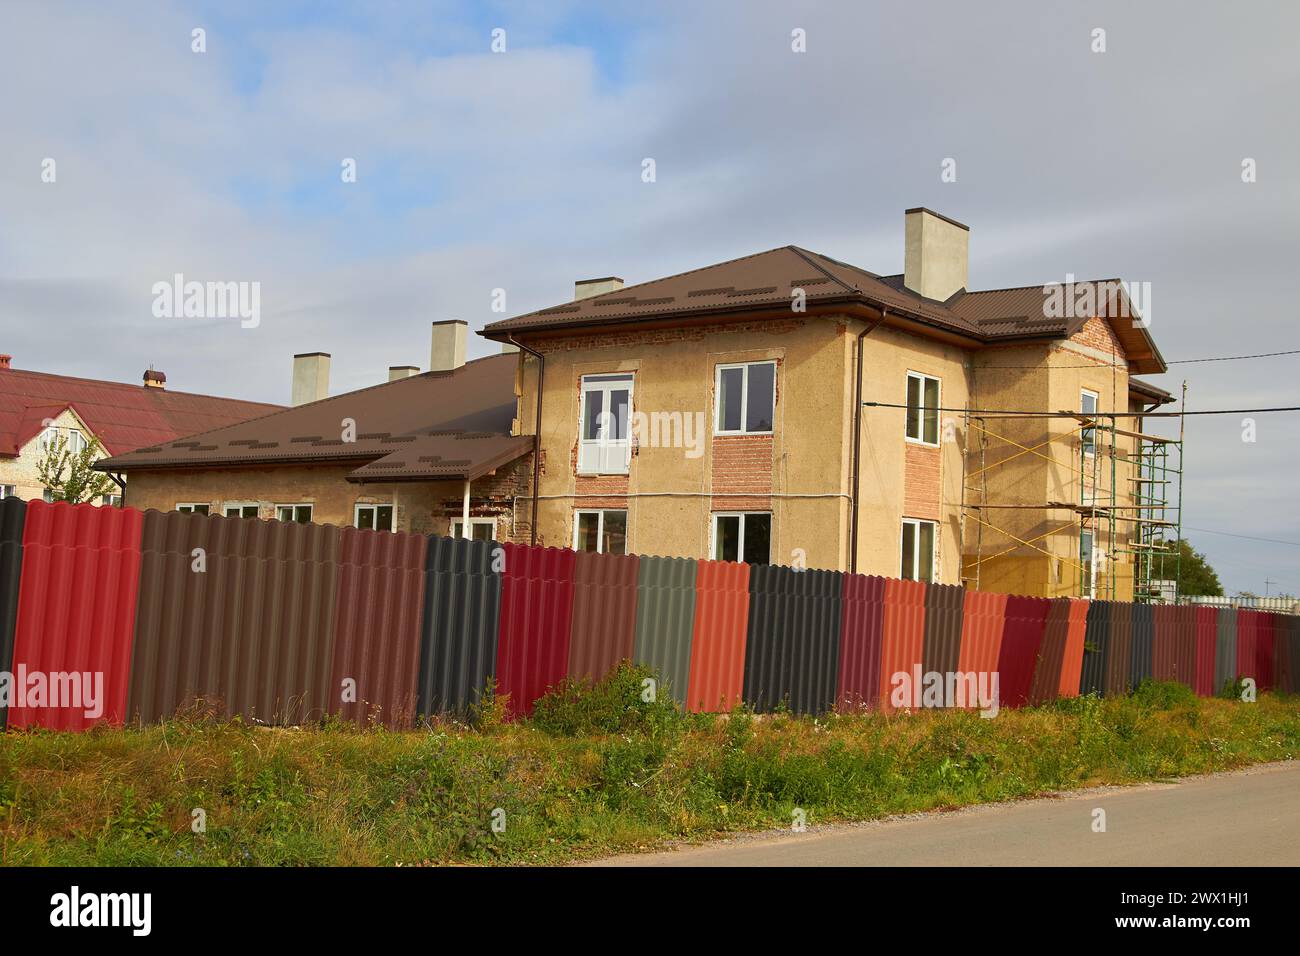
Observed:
{"x":125,"y":417}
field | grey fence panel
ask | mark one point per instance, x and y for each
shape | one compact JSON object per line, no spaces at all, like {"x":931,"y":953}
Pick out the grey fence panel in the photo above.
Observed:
{"x":460,"y":626}
{"x":1225,"y":648}
{"x":665,"y":620}
{"x":792,"y":641}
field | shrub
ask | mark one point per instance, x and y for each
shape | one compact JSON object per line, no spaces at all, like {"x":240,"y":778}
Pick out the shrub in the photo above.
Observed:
{"x":617,"y":704}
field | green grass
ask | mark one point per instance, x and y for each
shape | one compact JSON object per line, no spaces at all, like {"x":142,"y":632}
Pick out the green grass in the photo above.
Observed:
{"x":597,"y":771}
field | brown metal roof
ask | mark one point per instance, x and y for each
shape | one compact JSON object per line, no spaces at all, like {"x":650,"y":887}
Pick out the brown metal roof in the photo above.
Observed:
{"x":434,"y":425}
{"x":442,"y":455}
{"x":767,"y":280}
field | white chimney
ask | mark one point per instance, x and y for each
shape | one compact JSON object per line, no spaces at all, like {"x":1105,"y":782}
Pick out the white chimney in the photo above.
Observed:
{"x":448,"y":351}
{"x":311,"y":377}
{"x":402,"y":371}
{"x":935,"y":255}
{"x":586,"y":288}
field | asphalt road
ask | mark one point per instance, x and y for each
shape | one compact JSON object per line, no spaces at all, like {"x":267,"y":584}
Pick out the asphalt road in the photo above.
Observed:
{"x":1246,"y":818}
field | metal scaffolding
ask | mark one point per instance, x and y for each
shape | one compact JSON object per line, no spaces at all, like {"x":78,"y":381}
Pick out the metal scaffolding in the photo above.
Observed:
{"x":1122,"y":507}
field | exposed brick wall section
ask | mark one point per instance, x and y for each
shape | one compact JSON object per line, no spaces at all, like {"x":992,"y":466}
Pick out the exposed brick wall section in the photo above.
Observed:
{"x":742,"y":464}
{"x":921,"y":482}
{"x":1097,"y":334}
{"x":615,"y":338}
{"x":494,"y":496}
{"x":612,"y":490}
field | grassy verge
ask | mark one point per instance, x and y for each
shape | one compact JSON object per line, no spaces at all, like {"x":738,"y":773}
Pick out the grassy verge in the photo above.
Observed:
{"x":596,"y":771}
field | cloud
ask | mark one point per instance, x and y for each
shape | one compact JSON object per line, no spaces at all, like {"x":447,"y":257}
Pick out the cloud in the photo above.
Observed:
{"x":522,"y":171}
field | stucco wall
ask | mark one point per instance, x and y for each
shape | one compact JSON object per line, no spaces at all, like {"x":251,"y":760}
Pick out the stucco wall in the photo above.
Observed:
{"x":423,"y":507}
{"x":888,"y":355}
{"x":671,"y":491}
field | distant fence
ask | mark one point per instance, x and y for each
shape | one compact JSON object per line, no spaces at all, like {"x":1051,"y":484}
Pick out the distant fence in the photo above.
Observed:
{"x":288,"y":623}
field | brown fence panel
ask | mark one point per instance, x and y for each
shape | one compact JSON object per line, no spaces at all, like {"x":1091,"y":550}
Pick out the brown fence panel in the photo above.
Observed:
{"x":377,"y":627}
{"x":943,"y":614}
{"x":237,"y":612}
{"x":1119,"y":651}
{"x":603,"y":632}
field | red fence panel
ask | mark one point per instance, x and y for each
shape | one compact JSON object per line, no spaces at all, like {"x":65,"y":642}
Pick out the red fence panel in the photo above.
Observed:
{"x":536,"y":620}
{"x":1206,"y":621}
{"x":983,"y":619}
{"x":1072,"y":665}
{"x":717,"y":675}
{"x":76,"y":612}
{"x":604,"y":613}
{"x":902,"y":644}
{"x":1021,"y":639}
{"x":861,"y":628}
{"x":377,"y":627}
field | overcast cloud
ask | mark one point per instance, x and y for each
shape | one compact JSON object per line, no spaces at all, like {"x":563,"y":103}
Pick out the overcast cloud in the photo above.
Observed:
{"x":522,"y":171}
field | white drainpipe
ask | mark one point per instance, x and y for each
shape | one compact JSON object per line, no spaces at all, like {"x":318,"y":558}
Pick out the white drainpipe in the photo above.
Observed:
{"x":464,"y":513}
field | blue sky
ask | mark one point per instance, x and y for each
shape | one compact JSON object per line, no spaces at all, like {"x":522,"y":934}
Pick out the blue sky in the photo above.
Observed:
{"x":521,"y":171}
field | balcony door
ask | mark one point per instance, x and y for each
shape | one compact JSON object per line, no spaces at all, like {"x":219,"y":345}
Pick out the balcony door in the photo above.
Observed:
{"x":605,"y":447}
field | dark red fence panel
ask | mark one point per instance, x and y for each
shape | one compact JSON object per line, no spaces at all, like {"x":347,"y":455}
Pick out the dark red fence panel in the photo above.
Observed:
{"x":1046,"y":682}
{"x":862,"y":624}
{"x":76,"y":614}
{"x":536,"y":621}
{"x":1264,"y":650}
{"x":902,"y":644}
{"x":604,"y":613}
{"x":377,"y":627}
{"x":1022,"y":637}
{"x":1247,"y":644}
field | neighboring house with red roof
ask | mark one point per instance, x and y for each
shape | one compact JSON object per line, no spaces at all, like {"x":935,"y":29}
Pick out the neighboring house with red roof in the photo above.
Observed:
{"x":38,"y":407}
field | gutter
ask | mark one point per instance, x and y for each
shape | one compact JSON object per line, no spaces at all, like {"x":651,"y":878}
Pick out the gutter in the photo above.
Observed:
{"x":857,"y":442}
{"x":537,"y":427}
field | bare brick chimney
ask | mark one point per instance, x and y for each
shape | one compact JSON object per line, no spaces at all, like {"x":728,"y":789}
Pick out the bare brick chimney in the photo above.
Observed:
{"x":5,"y":360}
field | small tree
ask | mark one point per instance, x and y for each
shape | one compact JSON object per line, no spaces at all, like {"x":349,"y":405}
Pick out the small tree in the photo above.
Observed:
{"x":72,"y":477}
{"x":1195,"y":576}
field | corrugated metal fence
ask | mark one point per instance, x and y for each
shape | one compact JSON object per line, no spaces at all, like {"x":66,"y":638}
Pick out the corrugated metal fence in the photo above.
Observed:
{"x":151,"y":614}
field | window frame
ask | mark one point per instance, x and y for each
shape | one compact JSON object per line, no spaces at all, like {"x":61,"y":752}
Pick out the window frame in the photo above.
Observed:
{"x":606,"y":383}
{"x":187,"y":507}
{"x":293,"y":519}
{"x":241,"y":505}
{"x":740,"y":534}
{"x":356,"y":514}
{"x":8,"y":491}
{"x":1088,"y":561}
{"x":1088,"y":436}
{"x":600,"y":527}
{"x":744,"y":400}
{"x":451,"y":527}
{"x":923,"y":377}
{"x":916,"y":549}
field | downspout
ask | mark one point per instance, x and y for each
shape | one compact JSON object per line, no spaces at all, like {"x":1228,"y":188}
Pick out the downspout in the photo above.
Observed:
{"x":857,"y":442}
{"x":537,"y":426}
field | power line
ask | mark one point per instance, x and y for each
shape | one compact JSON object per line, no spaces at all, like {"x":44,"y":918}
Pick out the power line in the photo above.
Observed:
{"x":1247,"y":537}
{"x":1214,"y":358}
{"x":1017,"y":413}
